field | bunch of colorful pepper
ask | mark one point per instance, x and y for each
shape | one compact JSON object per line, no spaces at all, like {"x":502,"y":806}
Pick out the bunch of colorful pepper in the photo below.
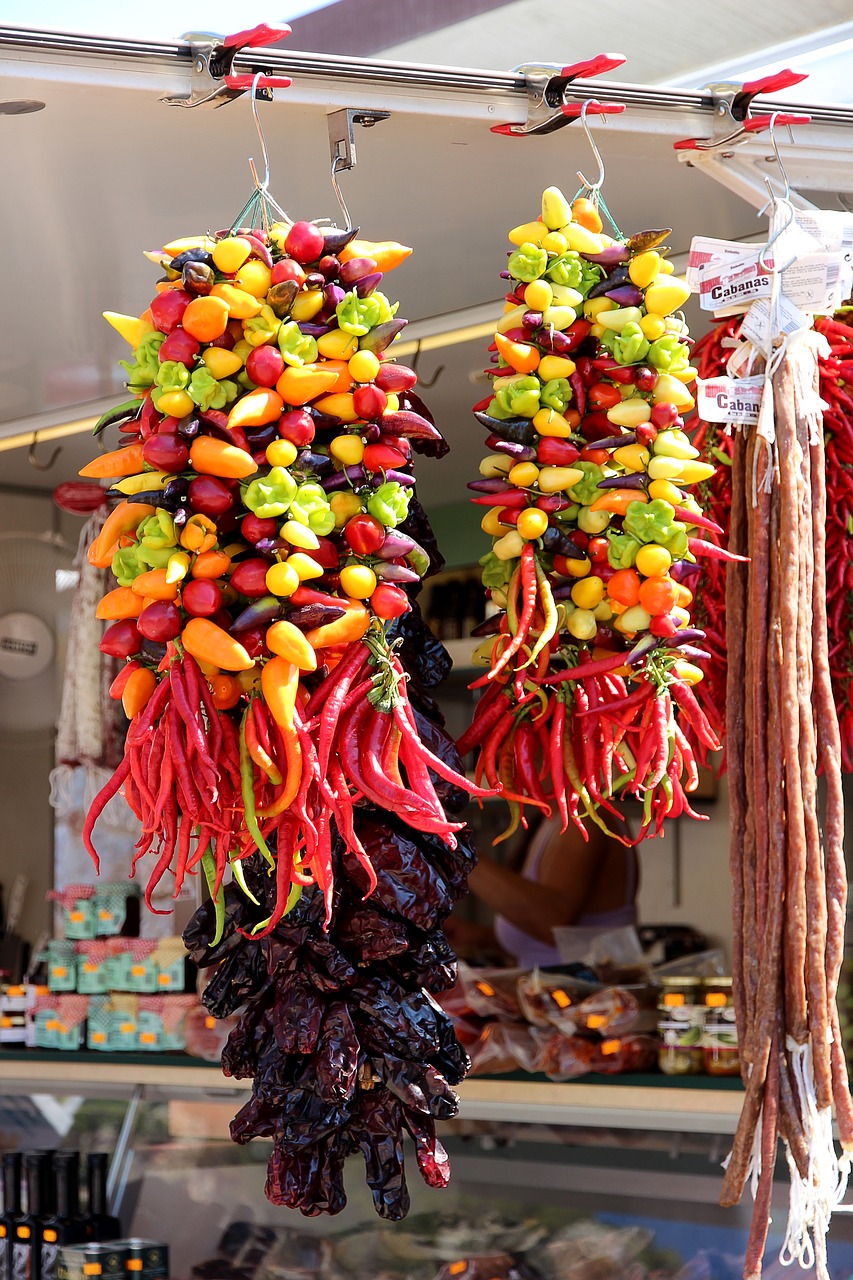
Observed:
{"x":591,"y":655}
{"x":711,"y":354}
{"x":258,"y":542}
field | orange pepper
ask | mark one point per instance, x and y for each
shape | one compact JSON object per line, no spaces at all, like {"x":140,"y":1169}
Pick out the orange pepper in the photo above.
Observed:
{"x":387,"y":254}
{"x":154,"y":585}
{"x":125,"y":518}
{"x":297,"y":386}
{"x":586,"y":214}
{"x":624,"y":587}
{"x":118,"y":604}
{"x":137,"y":691}
{"x":293,"y":776}
{"x":257,"y":409}
{"x":226,"y":691}
{"x":339,"y":405}
{"x":279,"y":685}
{"x":211,"y":456}
{"x":205,"y":319}
{"x":210,"y":564}
{"x":209,"y":643}
{"x":520,"y":356}
{"x":618,"y":500}
{"x":344,"y":379}
{"x":198,"y":534}
{"x":344,"y":630}
{"x":119,"y":462}
{"x":684,"y":596}
{"x":658,"y":595}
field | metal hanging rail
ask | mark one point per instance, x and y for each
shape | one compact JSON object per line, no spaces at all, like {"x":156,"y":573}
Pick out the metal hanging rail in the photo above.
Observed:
{"x":377,"y":74}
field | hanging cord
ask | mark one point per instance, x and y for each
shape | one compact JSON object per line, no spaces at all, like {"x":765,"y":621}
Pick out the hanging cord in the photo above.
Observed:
{"x":261,"y":207}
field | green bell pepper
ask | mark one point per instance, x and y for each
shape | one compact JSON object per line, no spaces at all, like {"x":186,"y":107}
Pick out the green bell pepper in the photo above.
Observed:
{"x":586,"y":491}
{"x":143,"y":369}
{"x":653,"y":522}
{"x":389,"y":504}
{"x":668,"y":355}
{"x":262,"y":328}
{"x":519,"y":398}
{"x":622,"y":550}
{"x":358,"y":315}
{"x":311,"y":507}
{"x":630,"y":345}
{"x":528,"y":263}
{"x":271,"y":495}
{"x":205,"y":390}
{"x":296,"y":347}
{"x":557,"y":394}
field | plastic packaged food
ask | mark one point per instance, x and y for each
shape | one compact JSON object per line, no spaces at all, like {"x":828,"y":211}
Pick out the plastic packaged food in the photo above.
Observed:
{"x":681,"y":1020}
{"x":720,"y":1041}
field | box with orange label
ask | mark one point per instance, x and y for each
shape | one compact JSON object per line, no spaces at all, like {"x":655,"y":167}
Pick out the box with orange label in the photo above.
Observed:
{"x":171,"y":966}
{"x":162,"y":1022}
{"x":93,"y":967}
{"x":116,"y":908}
{"x":132,"y":967}
{"x":61,"y":959}
{"x":98,"y":1027}
{"x":77,"y":903}
{"x":60,"y":1021}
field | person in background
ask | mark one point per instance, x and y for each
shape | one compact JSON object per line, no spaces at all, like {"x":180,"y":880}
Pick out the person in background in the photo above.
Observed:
{"x":564,"y":881}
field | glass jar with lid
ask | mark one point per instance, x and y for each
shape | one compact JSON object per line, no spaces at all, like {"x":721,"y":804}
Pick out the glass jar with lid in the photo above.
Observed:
{"x":719,"y":1043}
{"x":681,"y":1021}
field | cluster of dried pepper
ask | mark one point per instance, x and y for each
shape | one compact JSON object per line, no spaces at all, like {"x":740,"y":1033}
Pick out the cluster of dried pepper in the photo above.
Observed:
{"x":266,"y":541}
{"x":339,"y":1029}
{"x":711,"y":354}
{"x":787,"y":859}
{"x":591,"y":654}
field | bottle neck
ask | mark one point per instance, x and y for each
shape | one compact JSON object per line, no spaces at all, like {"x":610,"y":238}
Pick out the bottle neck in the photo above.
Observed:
{"x":12,"y":1183}
{"x":67,"y":1174}
{"x":35,"y":1177}
{"x":97,"y":1168}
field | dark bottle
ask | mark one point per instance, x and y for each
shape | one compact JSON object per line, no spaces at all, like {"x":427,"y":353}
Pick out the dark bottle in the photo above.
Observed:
{"x":65,"y":1224}
{"x":11,"y":1210}
{"x":99,"y":1224}
{"x":26,"y":1244}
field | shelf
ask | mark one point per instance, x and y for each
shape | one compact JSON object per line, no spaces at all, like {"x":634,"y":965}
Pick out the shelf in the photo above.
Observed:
{"x":662,"y":1103}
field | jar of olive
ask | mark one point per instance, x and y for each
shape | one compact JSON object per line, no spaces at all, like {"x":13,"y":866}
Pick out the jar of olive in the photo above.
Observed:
{"x":681,"y":1021}
{"x":719,"y":1042}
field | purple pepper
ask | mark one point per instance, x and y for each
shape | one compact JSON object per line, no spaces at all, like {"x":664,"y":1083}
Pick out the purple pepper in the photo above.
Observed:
{"x":635,"y":481}
{"x":396,"y":545}
{"x":625,"y":295}
{"x":367,"y":284}
{"x":332,"y":295}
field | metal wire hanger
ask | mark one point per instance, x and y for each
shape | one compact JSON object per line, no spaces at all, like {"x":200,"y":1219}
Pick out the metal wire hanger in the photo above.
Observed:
{"x":261,"y":206}
{"x":775,"y":201}
{"x":593,"y":189}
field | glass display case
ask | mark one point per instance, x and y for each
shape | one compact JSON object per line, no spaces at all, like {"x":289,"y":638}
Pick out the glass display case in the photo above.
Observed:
{"x":581,"y":1181}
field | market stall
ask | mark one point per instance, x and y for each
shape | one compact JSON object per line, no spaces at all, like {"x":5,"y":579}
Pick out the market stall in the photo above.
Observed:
{"x":411,"y":125}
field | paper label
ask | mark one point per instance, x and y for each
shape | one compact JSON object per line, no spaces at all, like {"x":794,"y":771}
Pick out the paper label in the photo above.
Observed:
{"x":735,"y":284}
{"x":757,"y":327}
{"x":830,"y":229}
{"x":816,"y":281}
{"x":734,"y":400}
{"x":705,"y":251}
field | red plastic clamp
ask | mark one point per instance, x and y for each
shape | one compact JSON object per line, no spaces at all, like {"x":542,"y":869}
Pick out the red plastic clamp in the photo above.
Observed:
{"x":738,"y":118}
{"x":546,"y":88}
{"x":253,"y":38}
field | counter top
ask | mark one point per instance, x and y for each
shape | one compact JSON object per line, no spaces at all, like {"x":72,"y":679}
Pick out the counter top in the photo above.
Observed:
{"x":694,"y":1104}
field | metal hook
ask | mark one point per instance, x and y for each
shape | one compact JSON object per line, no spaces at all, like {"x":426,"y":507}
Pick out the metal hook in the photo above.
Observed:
{"x":338,"y":162}
{"x":591,"y":186}
{"x":426,"y":382}
{"x":33,"y":460}
{"x":253,"y":98}
{"x":775,"y":201}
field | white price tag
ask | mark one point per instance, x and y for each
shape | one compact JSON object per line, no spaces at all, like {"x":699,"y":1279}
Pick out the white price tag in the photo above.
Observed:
{"x":757,"y":328}
{"x":705,"y":251}
{"x":830,"y":229}
{"x":815,"y":281}
{"x":734,"y":400}
{"x":736,"y":283}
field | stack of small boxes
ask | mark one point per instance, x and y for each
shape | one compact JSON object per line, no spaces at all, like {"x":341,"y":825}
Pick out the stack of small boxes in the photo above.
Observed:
{"x":106,"y":990}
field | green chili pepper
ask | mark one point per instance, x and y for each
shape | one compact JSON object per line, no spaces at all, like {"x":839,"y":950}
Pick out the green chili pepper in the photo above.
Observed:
{"x":557,"y":394}
{"x":528,"y":263}
{"x":143,"y":370}
{"x":271,"y":495}
{"x":217,"y":894}
{"x":247,"y":789}
{"x":389,"y":504}
{"x":296,"y":347}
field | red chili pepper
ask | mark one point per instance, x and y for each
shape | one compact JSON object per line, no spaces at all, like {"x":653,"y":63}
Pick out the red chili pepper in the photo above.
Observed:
{"x":527,"y":574}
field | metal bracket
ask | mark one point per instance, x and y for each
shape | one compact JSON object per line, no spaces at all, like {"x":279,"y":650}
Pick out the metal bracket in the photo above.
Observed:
{"x":342,"y":134}
{"x":213,"y":81}
{"x":733,"y":122}
{"x":547,"y":86}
